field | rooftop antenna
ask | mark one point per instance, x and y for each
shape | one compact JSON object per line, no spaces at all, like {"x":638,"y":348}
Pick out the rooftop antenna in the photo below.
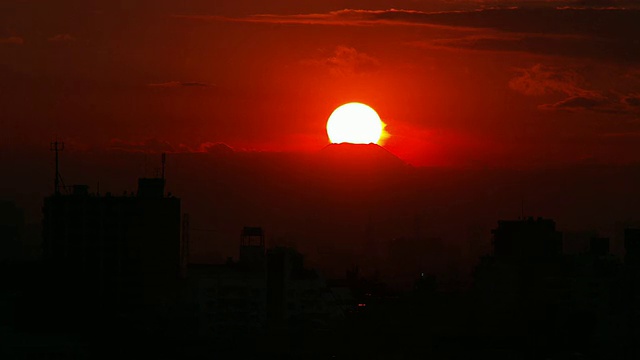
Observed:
{"x":145,"y":165}
{"x":57,"y":147}
{"x":521,"y":171}
{"x":521,"y":195}
{"x":164,"y":162}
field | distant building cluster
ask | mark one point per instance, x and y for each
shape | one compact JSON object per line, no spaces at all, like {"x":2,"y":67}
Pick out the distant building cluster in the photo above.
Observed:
{"x":263,"y":289}
{"x":117,"y":252}
{"x":124,"y":256}
{"x":530,"y":291}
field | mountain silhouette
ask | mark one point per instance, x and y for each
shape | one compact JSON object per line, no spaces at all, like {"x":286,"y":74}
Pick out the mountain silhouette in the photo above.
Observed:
{"x":360,"y":158}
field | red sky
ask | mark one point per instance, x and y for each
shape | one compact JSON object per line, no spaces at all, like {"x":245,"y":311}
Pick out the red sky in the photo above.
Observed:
{"x":459,"y":83}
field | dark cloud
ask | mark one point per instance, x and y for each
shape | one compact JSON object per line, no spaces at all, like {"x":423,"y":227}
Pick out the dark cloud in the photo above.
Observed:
{"x":579,"y":103}
{"x":605,"y":3}
{"x":597,"y":29}
{"x":62,"y":38}
{"x":547,"y":80}
{"x":541,"y":80}
{"x":552,"y":45}
{"x":193,"y":84}
{"x":215,"y":148}
{"x":622,"y":135}
{"x":17,"y":40}
{"x":147,"y":146}
{"x":598,"y":103}
{"x":347,"y":61}
{"x":601,"y":22}
{"x":173,"y":84}
{"x":632,"y":100}
{"x":154,"y":145}
{"x":346,"y":17}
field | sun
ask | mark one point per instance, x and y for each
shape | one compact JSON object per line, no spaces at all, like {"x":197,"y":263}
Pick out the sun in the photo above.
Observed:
{"x":354,"y":123}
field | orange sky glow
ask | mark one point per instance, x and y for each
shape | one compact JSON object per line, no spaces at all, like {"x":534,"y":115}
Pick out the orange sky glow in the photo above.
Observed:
{"x":458,"y":83}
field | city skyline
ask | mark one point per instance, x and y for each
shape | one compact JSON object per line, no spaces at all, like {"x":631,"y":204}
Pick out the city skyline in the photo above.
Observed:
{"x":321,"y":179}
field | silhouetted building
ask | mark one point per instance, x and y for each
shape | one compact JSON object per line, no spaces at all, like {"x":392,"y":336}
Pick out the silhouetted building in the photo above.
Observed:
{"x":531,"y":293}
{"x":527,"y":238}
{"x":252,"y":252}
{"x":408,"y":256}
{"x":632,"y":293}
{"x":599,"y":246}
{"x":632,"y":246}
{"x":11,"y":231}
{"x":114,"y":251}
{"x":577,"y":242}
{"x":261,"y":290}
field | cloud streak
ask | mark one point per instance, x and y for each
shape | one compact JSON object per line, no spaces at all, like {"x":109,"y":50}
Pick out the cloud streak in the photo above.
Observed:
{"x":62,"y":38}
{"x":601,"y":22}
{"x":147,"y":146}
{"x":584,"y":31}
{"x":572,"y":46}
{"x":16,"y":40}
{"x":156,"y":146}
{"x":176,"y":84}
{"x":346,"y":17}
{"x":543,"y":80}
{"x":346,"y":61}
{"x":540,"y":80}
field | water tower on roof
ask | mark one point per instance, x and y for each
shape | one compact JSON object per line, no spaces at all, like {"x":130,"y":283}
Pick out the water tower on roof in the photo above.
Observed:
{"x":252,"y":246}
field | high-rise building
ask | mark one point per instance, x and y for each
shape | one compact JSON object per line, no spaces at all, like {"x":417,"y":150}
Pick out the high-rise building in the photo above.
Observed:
{"x":120,"y":251}
{"x":528,"y":238}
{"x":11,"y":228}
{"x":264,"y":288}
{"x":632,"y":246}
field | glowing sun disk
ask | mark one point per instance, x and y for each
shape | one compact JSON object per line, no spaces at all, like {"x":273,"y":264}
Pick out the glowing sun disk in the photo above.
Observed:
{"x":354,"y":123}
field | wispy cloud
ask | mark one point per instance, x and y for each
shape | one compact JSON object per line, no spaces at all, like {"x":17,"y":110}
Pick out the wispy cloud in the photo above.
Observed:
{"x":572,"y":46}
{"x":346,"y":60}
{"x":632,"y":100}
{"x":540,"y":80}
{"x":346,"y":17}
{"x":174,"y":84}
{"x":582,"y":31}
{"x":62,"y":38}
{"x":214,"y":148}
{"x":17,"y":40}
{"x":152,"y":145}
{"x":594,"y":103}
{"x":156,"y":146}
{"x":603,"y":22}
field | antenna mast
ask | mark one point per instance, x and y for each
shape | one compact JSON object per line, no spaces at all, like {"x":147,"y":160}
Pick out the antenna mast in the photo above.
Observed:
{"x":164,"y":161}
{"x":521,"y":196}
{"x":57,"y":147}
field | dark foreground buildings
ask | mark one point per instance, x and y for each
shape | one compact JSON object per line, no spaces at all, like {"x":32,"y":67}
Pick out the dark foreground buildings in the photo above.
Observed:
{"x":113,"y":276}
{"x":11,"y":228}
{"x":114,"y":253}
{"x":533,"y":300}
{"x":265,"y":300}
